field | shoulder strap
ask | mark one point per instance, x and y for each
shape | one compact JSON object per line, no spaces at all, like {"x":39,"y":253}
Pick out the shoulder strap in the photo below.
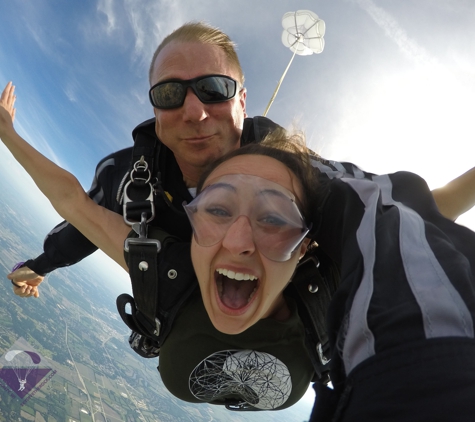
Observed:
{"x":314,"y":282}
{"x":255,"y":129}
{"x":138,"y":194}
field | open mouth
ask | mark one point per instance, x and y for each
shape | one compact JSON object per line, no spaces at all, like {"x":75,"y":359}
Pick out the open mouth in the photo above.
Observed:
{"x":235,"y":290}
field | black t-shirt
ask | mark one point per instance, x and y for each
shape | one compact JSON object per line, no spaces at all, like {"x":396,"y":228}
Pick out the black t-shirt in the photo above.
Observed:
{"x":267,"y":365}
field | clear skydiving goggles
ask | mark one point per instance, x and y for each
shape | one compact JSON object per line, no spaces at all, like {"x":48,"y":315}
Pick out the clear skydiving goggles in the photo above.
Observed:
{"x":209,"y":89}
{"x":278,"y":227}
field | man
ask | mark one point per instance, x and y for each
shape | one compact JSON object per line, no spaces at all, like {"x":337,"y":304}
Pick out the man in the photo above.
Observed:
{"x":190,"y":136}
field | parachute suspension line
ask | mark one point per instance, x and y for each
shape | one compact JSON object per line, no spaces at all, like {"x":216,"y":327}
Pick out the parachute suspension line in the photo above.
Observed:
{"x":22,"y":373}
{"x":303,"y":33}
{"x":279,"y":84}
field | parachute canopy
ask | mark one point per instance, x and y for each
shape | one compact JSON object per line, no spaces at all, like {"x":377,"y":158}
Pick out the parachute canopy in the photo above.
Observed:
{"x":303,"y":32}
{"x":22,"y":357}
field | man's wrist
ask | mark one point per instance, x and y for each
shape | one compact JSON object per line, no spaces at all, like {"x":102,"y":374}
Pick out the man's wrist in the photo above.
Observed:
{"x":39,"y":265}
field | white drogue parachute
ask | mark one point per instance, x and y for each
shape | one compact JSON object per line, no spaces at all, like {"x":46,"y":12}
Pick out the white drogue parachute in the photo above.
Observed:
{"x":303,"y":35}
{"x":303,"y":32}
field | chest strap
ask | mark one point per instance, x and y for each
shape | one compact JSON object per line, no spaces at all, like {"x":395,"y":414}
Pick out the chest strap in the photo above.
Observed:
{"x":141,"y":256}
{"x":162,"y":278}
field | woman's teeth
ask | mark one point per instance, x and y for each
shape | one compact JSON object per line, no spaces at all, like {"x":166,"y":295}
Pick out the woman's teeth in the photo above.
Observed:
{"x":235,"y":289}
{"x":235,"y":276}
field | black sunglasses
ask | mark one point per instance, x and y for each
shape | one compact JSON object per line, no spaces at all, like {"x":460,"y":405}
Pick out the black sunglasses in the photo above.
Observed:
{"x":209,"y":89}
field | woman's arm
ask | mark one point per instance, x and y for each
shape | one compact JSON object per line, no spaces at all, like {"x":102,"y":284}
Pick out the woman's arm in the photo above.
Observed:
{"x":104,"y":228}
{"x":457,"y":196}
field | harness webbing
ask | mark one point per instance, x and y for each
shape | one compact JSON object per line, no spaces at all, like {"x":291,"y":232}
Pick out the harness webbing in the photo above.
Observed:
{"x":139,"y":190}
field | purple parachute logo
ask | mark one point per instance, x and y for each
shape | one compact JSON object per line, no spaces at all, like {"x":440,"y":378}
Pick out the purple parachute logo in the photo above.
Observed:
{"x":22,"y":363}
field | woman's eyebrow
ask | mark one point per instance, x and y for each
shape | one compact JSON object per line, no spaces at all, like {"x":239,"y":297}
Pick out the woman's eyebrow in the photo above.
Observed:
{"x":222,"y":185}
{"x":275,"y":192}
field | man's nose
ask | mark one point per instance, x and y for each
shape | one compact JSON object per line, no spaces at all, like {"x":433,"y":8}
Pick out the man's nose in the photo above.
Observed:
{"x":193,"y":108}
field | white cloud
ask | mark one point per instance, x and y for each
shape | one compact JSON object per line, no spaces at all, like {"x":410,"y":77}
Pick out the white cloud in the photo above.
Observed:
{"x":151,"y":24}
{"x":106,"y":7}
{"x":37,"y":34}
{"x":70,"y":92}
{"x":47,"y":38}
{"x":146,"y":26}
{"x":394,"y":31}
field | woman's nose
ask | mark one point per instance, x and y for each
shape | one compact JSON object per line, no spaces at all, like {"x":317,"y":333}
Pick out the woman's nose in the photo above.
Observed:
{"x":239,"y":238}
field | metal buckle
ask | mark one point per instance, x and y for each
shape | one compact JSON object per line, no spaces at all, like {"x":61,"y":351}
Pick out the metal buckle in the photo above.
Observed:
{"x":238,"y":405}
{"x":141,"y":230}
{"x":312,"y":287}
{"x":135,"y":241}
{"x":128,"y":200}
{"x":323,"y":359}
{"x":312,"y":258}
{"x":158,"y":326}
{"x":139,"y":166}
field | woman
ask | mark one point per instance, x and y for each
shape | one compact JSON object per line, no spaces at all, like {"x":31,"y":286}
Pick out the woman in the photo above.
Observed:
{"x":401,"y":323}
{"x":249,"y":234}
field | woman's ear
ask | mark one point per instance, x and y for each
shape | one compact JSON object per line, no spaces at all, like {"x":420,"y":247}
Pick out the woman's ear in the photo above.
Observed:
{"x":303,"y":247}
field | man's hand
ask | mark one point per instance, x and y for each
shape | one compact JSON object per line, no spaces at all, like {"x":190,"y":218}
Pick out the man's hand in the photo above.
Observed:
{"x":26,"y":282}
{"x":7,"y":109}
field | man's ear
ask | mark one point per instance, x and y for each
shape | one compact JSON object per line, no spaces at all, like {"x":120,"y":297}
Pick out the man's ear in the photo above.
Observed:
{"x":243,"y":95}
{"x":303,"y":247}
{"x":157,"y":125}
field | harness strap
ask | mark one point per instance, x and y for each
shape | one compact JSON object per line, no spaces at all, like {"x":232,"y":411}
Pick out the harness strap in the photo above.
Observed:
{"x":135,"y":320}
{"x":143,"y":270}
{"x":139,"y":339}
{"x":146,"y":145}
{"x":141,"y":256}
{"x":313,"y":285}
{"x":313,"y":292}
{"x":155,"y":304}
{"x":139,"y":190}
{"x":255,"y":129}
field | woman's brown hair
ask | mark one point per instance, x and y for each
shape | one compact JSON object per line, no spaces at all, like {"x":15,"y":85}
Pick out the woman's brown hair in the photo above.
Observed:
{"x":290,"y":150}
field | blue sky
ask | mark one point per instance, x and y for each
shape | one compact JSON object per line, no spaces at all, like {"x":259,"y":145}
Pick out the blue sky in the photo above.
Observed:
{"x":393,"y":89}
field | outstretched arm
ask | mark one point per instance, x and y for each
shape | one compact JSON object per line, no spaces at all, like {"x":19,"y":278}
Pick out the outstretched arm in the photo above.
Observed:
{"x":457,"y":196}
{"x":104,"y":228}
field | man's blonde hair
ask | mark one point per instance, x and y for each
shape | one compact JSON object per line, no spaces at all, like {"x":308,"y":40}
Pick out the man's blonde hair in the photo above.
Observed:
{"x":201,"y":32}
